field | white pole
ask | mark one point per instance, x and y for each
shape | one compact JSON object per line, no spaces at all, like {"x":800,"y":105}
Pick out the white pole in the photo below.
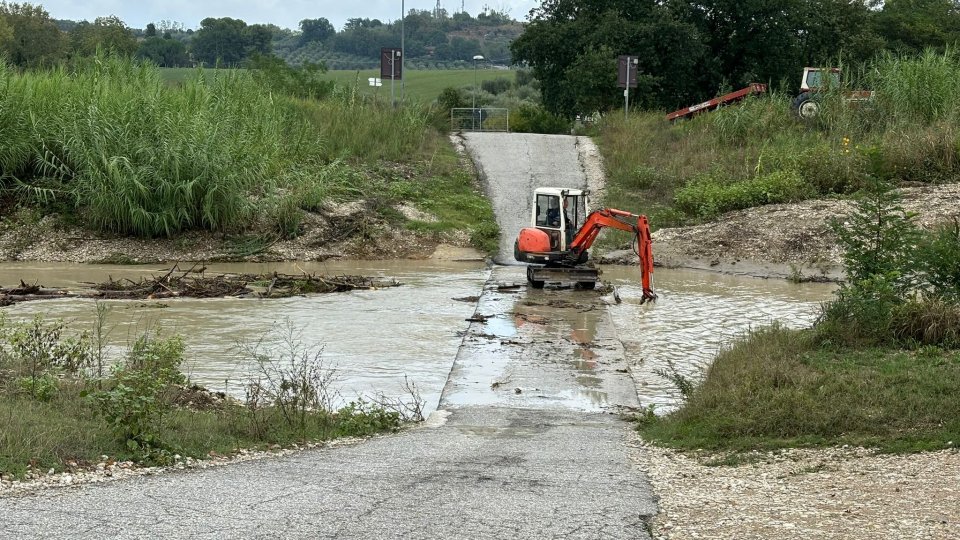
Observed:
{"x":474,"y":111}
{"x":626,"y":94}
{"x":393,"y":77}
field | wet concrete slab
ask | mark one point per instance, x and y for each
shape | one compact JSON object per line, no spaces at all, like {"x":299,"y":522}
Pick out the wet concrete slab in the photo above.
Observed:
{"x":539,"y":349}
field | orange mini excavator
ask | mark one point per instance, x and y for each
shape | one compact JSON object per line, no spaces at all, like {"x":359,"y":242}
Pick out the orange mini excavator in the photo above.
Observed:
{"x":556,"y":244}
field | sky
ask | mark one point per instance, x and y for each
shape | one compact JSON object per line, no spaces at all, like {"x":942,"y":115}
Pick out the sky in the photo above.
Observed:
{"x":283,"y":13}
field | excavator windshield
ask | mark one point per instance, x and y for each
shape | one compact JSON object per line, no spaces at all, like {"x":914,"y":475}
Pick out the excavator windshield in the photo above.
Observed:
{"x":556,"y":214}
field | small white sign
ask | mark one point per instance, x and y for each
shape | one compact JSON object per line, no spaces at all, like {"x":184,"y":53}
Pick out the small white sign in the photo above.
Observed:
{"x":375,"y":81}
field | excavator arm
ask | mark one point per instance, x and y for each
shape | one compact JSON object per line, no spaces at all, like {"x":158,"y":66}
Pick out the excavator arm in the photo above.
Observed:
{"x":624,"y":221}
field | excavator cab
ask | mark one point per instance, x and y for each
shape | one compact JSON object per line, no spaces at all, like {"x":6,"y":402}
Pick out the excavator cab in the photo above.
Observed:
{"x":559,"y":213}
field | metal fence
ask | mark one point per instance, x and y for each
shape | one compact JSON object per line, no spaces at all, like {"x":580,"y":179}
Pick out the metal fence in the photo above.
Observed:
{"x":480,"y":119}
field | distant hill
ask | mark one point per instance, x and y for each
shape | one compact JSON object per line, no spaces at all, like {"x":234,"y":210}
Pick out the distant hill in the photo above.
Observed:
{"x":433,"y":41}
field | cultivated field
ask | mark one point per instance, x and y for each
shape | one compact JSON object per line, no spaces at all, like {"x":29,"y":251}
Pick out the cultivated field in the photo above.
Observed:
{"x":423,"y":86}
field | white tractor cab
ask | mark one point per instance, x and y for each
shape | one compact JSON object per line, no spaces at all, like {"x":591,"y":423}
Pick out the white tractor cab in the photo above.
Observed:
{"x":807,"y":104}
{"x":559,"y":212}
{"x":815,"y":82}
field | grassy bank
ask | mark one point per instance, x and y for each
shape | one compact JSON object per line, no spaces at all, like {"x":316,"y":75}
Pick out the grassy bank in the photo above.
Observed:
{"x":880,"y":368}
{"x":112,"y":147}
{"x":62,"y":408}
{"x":781,"y":388}
{"x":758,"y":152}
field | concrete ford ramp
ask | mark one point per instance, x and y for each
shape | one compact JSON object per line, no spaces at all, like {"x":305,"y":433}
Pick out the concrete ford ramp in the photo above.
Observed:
{"x":526,"y":443}
{"x":512,"y":165}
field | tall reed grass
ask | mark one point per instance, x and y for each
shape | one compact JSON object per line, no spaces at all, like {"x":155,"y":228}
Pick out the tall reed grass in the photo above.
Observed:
{"x":128,"y":153}
{"x":135,"y":156}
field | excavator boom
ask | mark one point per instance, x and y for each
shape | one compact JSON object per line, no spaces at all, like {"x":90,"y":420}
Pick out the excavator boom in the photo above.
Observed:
{"x":618,"y":219}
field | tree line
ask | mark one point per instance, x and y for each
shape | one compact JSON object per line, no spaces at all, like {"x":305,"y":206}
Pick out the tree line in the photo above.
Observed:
{"x":30,"y":37}
{"x":689,"y":51}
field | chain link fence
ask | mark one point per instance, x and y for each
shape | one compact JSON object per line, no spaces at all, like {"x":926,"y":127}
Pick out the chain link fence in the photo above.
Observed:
{"x":480,"y":119}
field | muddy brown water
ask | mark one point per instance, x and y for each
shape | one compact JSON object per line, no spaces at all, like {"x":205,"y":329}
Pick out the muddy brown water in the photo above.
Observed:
{"x":376,"y":338}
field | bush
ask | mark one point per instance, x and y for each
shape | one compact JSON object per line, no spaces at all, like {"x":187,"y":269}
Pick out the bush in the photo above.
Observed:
{"x":36,"y":351}
{"x":496,"y":86}
{"x":302,"y":82}
{"x":535,"y":119}
{"x":902,"y":286}
{"x":707,"y":196}
{"x":139,"y":392}
{"x":926,"y":322}
{"x":938,"y":263}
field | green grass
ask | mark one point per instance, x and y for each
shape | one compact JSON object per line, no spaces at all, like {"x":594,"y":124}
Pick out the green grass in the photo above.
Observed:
{"x":778,"y":388}
{"x":48,"y":435}
{"x":907,"y":133}
{"x":420,"y":86}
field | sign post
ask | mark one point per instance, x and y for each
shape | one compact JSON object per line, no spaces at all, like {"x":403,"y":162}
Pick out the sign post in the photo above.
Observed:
{"x":627,"y":68}
{"x":391,"y":67}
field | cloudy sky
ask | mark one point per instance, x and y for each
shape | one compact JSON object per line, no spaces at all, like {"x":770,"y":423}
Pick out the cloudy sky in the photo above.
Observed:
{"x":284,"y":13}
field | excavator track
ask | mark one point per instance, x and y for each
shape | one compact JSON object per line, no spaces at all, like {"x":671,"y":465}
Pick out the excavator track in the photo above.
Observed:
{"x":586,"y":277}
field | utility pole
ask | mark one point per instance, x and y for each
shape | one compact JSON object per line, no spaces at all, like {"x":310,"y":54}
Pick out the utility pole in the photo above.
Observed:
{"x":403,"y":50}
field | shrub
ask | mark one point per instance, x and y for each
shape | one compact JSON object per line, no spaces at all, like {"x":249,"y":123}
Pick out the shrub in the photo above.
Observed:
{"x":938,"y":262}
{"x":34,"y":351}
{"x":535,"y":119}
{"x":139,"y":391}
{"x":292,"y":379}
{"x":496,"y":86}
{"x":707,"y":196}
{"x":302,"y":82}
{"x":878,"y":238}
{"x":926,"y":322}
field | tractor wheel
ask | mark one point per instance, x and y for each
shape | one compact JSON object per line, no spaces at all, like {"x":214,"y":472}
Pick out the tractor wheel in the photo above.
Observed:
{"x":534,"y":283}
{"x":806,"y":107}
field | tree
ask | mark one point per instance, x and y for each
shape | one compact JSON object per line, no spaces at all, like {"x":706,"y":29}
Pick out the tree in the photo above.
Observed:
{"x":106,"y":33}
{"x":164,"y":52}
{"x":257,"y":38}
{"x":221,"y":40}
{"x":913,"y":25}
{"x":572,"y":47}
{"x":151,"y":31}
{"x":6,"y":34}
{"x":36,"y":38}
{"x":316,"y":30}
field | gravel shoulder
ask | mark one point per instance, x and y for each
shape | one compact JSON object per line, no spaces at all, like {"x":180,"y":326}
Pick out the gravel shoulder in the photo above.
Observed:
{"x":840,"y":493}
{"x":782,"y":240}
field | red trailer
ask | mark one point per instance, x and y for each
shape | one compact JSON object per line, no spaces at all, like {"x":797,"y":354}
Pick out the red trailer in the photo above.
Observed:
{"x":726,"y":99}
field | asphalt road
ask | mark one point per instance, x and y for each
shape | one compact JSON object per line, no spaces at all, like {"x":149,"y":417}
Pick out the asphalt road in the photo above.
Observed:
{"x":526,"y":443}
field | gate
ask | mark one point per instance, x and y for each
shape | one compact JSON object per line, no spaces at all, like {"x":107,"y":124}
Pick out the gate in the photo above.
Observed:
{"x":480,"y":119}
